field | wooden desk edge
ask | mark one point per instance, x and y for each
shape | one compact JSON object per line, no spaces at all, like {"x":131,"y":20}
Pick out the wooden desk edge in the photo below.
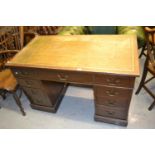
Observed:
{"x":11,"y":65}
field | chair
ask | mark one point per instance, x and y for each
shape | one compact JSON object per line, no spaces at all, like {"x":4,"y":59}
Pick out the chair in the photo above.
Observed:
{"x":10,"y":44}
{"x":147,"y":30}
{"x":43,"y":30}
{"x":149,"y":65}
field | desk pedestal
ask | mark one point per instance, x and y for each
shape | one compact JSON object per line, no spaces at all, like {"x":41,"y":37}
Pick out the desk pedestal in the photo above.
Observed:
{"x":45,"y":90}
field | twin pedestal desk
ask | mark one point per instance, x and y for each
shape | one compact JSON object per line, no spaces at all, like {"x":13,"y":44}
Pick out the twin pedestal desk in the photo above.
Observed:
{"x":108,"y":63}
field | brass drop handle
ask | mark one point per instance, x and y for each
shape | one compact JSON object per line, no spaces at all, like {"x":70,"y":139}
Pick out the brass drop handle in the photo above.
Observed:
{"x":111,"y":93}
{"x":113,"y":81}
{"x":63,"y":78}
{"x":16,"y":73}
{"x":110,"y":113}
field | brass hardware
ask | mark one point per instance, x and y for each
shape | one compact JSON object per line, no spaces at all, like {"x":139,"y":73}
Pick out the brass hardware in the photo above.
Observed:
{"x":110,"y":113}
{"x":113,"y":81}
{"x":111,"y":93}
{"x":63,"y":78}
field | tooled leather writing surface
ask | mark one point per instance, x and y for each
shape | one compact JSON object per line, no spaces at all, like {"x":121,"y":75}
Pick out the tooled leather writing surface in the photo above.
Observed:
{"x":95,"y":53}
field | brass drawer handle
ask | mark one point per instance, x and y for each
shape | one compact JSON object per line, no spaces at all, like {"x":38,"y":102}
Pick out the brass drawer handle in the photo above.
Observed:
{"x":63,"y":78}
{"x":113,"y":81}
{"x":16,"y":73}
{"x":110,"y":113}
{"x":111,"y":93}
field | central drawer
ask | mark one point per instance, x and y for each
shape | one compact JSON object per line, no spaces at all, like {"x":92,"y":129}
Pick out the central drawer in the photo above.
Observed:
{"x":53,"y":75}
{"x":25,"y":73}
{"x":63,"y":76}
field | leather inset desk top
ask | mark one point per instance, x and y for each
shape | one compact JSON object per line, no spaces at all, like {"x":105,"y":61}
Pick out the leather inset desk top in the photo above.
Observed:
{"x":116,"y":54}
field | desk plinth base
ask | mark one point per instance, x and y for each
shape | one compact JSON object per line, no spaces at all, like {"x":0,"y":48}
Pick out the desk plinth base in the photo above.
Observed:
{"x":55,"y":107}
{"x":111,"y":120}
{"x":43,"y":108}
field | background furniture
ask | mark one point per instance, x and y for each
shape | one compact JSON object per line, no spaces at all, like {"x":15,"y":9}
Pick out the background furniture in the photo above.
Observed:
{"x":103,"y":29}
{"x":11,"y":42}
{"x":75,"y":30}
{"x":149,"y":65}
{"x":93,"y":60}
{"x":136,"y":30}
{"x":148,"y":31}
{"x":8,"y":82}
{"x":42,"y":30}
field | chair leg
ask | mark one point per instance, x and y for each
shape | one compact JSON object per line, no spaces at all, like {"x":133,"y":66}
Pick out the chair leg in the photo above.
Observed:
{"x":3,"y":95}
{"x":142,"y":80}
{"x":18,"y":103}
{"x":142,"y":51}
{"x":20,"y":92}
{"x":151,"y":106}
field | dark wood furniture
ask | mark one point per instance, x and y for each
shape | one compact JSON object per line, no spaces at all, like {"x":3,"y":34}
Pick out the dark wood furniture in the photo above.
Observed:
{"x":8,"y":82}
{"x":149,"y":31}
{"x":43,"y":30}
{"x":108,"y":63}
{"x":149,"y":65}
{"x":9,"y":45}
{"x":11,"y":42}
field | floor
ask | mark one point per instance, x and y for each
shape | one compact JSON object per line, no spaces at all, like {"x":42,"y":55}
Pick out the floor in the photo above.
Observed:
{"x":76,"y":111}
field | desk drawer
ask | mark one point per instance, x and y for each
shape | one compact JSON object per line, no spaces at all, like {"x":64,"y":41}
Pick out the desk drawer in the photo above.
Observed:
{"x":29,"y":83}
{"x":62,"y":76}
{"x":113,"y":80}
{"x":21,"y":73}
{"x":67,"y":76}
{"x":112,"y":92}
{"x":111,"y":112}
{"x":113,"y":102}
{"x":37,"y":96}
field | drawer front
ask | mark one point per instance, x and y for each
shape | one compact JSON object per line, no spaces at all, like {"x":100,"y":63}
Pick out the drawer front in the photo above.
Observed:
{"x":112,"y":80}
{"x":62,"y":76}
{"x":111,"y":112}
{"x":112,"y":92}
{"x":29,"y":83}
{"x":113,"y":102}
{"x":37,"y":96}
{"x":21,"y":73}
{"x":67,"y":76}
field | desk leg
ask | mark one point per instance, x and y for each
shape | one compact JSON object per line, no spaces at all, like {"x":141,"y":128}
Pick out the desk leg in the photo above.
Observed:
{"x":111,"y":108}
{"x":47,"y":98}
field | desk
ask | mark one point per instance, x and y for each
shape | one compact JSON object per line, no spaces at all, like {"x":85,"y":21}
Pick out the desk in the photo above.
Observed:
{"x":108,"y":63}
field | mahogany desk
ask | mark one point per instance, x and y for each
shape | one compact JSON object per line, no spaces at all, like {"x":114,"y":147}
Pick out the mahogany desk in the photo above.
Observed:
{"x":108,"y":63}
